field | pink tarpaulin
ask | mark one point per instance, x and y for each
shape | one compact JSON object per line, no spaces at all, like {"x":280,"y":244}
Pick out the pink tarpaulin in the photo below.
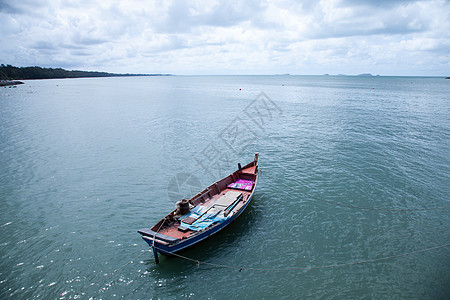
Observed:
{"x":242,"y":184}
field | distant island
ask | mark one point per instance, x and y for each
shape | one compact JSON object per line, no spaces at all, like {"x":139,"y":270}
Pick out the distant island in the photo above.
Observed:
{"x":359,"y":75}
{"x":9,"y":72}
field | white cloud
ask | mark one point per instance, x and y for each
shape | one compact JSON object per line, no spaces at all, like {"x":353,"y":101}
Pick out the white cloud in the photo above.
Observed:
{"x":214,"y":37}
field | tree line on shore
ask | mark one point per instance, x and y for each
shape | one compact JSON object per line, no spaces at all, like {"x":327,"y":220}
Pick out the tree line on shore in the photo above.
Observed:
{"x":8,"y":72}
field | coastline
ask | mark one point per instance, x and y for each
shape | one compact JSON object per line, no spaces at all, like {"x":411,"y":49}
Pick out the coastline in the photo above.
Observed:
{"x":10,"y":83}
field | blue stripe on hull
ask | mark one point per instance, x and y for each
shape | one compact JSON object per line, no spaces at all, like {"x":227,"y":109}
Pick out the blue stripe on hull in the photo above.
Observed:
{"x":168,"y":250}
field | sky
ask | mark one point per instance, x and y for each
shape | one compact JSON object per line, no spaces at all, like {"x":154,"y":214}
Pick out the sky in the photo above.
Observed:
{"x":201,"y":37}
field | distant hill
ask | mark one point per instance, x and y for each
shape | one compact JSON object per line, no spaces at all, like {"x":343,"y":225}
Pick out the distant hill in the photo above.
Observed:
{"x":9,"y":72}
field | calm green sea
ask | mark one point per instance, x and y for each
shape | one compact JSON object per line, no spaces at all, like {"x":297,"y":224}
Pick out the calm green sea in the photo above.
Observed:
{"x":352,"y":201}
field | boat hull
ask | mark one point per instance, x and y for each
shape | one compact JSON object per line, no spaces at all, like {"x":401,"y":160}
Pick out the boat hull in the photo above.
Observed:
{"x":209,"y":211}
{"x":184,"y":244}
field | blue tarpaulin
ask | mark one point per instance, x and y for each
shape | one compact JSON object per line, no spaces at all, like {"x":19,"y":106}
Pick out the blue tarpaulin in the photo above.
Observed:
{"x":207,"y":219}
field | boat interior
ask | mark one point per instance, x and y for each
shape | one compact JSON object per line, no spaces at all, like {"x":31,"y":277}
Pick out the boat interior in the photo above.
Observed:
{"x":213,"y":205}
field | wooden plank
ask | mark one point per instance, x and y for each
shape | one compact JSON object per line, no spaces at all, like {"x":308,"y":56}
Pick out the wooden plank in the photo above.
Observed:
{"x":228,"y":199}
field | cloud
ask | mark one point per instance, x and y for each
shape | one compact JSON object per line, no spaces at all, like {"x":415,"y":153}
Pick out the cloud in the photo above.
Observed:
{"x":6,"y":7}
{"x":240,"y":37}
{"x":183,"y":16}
{"x":384,"y":4}
{"x":338,"y":20}
{"x":15,"y":7}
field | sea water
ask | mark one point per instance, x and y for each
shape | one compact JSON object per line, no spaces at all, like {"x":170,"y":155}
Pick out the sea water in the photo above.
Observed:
{"x":352,"y":199}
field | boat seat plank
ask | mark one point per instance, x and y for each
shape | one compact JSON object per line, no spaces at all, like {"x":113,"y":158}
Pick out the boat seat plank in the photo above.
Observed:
{"x":228,"y":199}
{"x":189,"y":220}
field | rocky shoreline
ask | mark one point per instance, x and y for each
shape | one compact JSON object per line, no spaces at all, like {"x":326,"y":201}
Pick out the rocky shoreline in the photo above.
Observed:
{"x":9,"y":82}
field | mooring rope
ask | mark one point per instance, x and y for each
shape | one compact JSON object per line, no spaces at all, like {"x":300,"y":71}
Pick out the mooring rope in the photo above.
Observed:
{"x":370,"y":208}
{"x":115,"y":271}
{"x":156,"y":232}
{"x":348,"y":205}
{"x":240,"y":268}
{"x":131,"y":261}
{"x":359,"y":207}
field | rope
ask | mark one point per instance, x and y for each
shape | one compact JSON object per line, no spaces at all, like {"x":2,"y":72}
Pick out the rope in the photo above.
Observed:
{"x":156,"y":232}
{"x":115,"y":271}
{"x":240,"y":268}
{"x":370,"y":208}
{"x":363,"y":208}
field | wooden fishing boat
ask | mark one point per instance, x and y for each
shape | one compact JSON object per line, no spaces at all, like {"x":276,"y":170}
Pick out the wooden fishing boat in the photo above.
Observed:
{"x":205,"y":213}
